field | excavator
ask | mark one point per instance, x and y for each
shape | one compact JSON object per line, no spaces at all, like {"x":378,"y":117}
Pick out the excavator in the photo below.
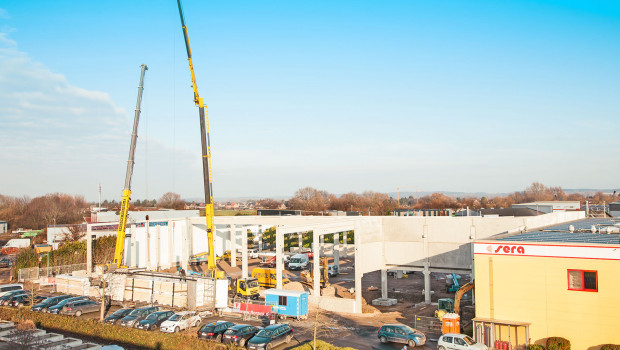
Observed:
{"x":447,"y":305}
{"x":206,"y":155}
{"x":122,"y":221}
{"x":307,"y":276}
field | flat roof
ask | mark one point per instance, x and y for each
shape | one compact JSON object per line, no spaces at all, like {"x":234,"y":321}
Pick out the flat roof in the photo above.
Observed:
{"x":582,"y":233}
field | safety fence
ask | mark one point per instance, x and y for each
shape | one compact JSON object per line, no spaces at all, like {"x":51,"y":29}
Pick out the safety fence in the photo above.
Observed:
{"x":35,"y":273}
{"x":431,"y":326}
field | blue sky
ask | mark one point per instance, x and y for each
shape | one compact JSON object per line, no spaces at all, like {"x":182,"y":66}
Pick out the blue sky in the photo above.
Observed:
{"x":344,"y":96}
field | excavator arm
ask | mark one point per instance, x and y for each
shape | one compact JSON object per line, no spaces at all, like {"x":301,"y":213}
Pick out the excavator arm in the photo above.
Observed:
{"x":459,"y":295}
{"x":122,"y":221}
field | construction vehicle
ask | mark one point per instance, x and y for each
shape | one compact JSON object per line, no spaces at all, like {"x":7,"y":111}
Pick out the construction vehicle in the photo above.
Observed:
{"x":454,"y":286}
{"x":246,"y":288}
{"x":267,"y":277}
{"x":122,"y":221}
{"x":227,"y":256}
{"x":307,"y":276}
{"x":447,"y":305}
{"x":206,"y":154}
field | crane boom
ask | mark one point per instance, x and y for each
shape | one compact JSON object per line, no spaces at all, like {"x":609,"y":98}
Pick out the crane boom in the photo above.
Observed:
{"x":122,"y":221}
{"x":206,"y":148}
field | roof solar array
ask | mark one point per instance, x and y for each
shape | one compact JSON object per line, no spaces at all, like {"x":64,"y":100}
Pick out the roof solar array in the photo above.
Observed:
{"x":560,"y":233}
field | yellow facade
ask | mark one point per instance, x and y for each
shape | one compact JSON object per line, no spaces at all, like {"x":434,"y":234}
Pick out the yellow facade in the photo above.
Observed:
{"x":535,"y":290}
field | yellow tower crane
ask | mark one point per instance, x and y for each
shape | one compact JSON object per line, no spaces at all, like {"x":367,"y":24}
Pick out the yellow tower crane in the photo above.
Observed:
{"x":206,"y":154}
{"x":122,"y":221}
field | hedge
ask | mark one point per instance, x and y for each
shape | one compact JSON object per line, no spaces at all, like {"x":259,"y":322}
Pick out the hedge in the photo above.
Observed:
{"x":558,"y":343}
{"x":110,"y":333}
{"x":610,"y":347}
{"x":320,"y":345}
{"x":535,"y":347}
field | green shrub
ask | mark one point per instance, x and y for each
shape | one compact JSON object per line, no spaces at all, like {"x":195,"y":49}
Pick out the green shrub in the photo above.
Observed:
{"x":535,"y":347}
{"x":610,"y":347}
{"x":320,"y":345}
{"x":558,"y":343}
{"x":26,"y":258}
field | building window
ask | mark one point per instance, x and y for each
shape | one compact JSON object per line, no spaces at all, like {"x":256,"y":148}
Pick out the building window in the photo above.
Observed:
{"x":583,"y":280}
{"x":282,"y":300}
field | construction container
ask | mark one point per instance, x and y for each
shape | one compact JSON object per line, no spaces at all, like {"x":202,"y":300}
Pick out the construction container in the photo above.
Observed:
{"x":288,"y":303}
{"x":451,"y":323}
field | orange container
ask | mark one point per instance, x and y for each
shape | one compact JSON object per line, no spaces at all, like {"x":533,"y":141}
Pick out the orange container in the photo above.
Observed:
{"x":451,"y":323}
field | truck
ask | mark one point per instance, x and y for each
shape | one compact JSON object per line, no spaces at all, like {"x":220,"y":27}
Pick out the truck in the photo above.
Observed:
{"x":267,"y":277}
{"x":17,"y":243}
{"x":288,"y":303}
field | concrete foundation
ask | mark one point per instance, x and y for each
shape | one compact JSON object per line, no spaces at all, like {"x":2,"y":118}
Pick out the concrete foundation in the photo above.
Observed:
{"x":384,"y":302}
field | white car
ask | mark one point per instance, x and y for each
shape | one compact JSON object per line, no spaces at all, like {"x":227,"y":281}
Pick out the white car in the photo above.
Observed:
{"x":180,"y":321}
{"x":253,"y":253}
{"x":451,"y":341}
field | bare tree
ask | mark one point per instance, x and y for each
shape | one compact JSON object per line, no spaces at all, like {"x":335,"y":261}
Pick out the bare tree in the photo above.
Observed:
{"x":171,"y":200}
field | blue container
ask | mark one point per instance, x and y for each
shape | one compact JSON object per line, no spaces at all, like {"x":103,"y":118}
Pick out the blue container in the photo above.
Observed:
{"x":289,"y":303}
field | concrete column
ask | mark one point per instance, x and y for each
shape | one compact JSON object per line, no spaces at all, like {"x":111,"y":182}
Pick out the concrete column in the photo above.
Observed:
{"x":244,"y":252}
{"x":147,"y":245}
{"x":345,"y":244}
{"x":279,"y":256}
{"x":358,"y":273}
{"x":384,"y":284}
{"x":184,"y":234}
{"x":157,"y":247}
{"x":133,"y":250}
{"x":227,"y":238}
{"x":89,"y":251}
{"x":300,"y":239}
{"x":190,"y":238}
{"x":427,"y":283}
{"x":260,"y":238}
{"x":336,"y":249}
{"x":322,"y":243}
{"x":316,"y":260}
{"x":233,"y":245}
{"x":171,"y":247}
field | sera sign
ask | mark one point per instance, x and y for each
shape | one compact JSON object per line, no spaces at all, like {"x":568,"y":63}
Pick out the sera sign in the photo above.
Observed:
{"x":506,"y":249}
{"x":544,"y":249}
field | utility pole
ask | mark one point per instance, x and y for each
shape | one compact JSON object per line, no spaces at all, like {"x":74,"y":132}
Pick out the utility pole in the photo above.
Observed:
{"x":99,"y":197}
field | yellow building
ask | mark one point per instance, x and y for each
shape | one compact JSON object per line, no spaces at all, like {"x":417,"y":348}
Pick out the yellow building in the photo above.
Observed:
{"x":537,"y":285}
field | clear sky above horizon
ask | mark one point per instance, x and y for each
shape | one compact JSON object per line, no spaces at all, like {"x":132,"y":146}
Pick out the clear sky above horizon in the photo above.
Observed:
{"x":470,"y":96}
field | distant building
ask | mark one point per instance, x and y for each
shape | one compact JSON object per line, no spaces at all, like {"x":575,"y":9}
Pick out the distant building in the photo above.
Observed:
{"x":277,"y":212}
{"x":4,"y":227}
{"x":550,"y":206}
{"x":423,"y":212}
{"x":614,"y":209}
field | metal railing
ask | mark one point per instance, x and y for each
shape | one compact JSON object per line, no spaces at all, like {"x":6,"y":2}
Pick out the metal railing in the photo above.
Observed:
{"x":34,"y":273}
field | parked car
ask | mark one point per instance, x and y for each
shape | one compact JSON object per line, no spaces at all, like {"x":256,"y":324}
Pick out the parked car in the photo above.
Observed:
{"x":51,"y":301}
{"x":400,"y":333}
{"x":117,"y":315}
{"x":77,"y":308}
{"x":4,"y":300}
{"x":214,"y":330}
{"x":332,"y":270}
{"x":138,"y":315}
{"x":298,"y":262}
{"x":56,"y":308}
{"x":154,"y":320}
{"x":10,"y":287}
{"x":180,"y":321}
{"x":271,"y":336}
{"x":6,"y":262}
{"x":239,"y":334}
{"x":458,"y":342}
{"x":253,"y":253}
{"x":24,"y":299}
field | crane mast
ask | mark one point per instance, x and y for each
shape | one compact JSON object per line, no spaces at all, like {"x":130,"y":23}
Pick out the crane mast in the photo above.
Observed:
{"x":206,"y":149}
{"x":122,"y":221}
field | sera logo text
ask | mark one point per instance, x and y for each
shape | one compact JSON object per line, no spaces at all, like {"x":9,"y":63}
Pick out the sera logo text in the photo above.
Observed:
{"x":510,"y":249}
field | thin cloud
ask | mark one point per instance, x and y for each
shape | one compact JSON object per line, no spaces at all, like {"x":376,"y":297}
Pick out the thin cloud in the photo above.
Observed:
{"x":4,"y":14}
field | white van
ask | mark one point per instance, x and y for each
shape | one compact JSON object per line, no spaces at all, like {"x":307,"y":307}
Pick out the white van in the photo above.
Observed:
{"x":253,"y":253}
{"x":5,"y":288}
{"x":298,"y":262}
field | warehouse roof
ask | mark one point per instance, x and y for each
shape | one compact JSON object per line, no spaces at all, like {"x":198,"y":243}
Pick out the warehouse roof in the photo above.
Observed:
{"x":606,"y":231}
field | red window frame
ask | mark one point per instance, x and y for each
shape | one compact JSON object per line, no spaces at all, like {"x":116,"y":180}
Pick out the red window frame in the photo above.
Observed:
{"x":583,"y":282}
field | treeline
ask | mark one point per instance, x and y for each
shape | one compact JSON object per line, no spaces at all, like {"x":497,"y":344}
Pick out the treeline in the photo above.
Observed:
{"x":37,"y":213}
{"x":316,"y":201}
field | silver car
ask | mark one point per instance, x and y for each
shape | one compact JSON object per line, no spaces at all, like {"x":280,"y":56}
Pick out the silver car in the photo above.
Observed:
{"x":77,"y":308}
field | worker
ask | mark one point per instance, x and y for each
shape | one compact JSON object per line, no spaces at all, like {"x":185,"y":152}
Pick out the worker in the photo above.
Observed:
{"x":182,"y":273}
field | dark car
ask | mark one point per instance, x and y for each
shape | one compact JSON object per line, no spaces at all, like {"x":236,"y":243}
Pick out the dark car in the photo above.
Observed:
{"x":239,"y":334}
{"x":4,"y":300}
{"x":137,"y":315}
{"x":24,"y":299}
{"x":117,"y":315}
{"x":214,"y":330}
{"x":77,"y":308}
{"x":51,"y":301}
{"x":6,"y":262}
{"x":155,"y":319}
{"x":56,"y":308}
{"x":400,"y":333}
{"x":271,"y":336}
